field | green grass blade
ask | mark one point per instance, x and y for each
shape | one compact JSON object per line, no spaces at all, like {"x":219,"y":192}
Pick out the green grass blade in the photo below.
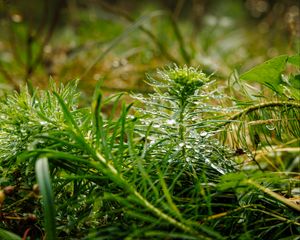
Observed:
{"x":97,"y":120}
{"x":168,"y":196}
{"x":43,"y":178}
{"x":67,"y":114}
{"x":75,"y":131}
{"x":8,"y":235}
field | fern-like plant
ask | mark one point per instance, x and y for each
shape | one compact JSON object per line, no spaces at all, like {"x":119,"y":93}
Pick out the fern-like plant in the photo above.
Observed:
{"x":179,"y":120}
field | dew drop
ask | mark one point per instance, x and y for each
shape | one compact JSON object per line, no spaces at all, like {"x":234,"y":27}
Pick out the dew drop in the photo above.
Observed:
{"x":130,"y":117}
{"x":43,"y":123}
{"x":271,"y":127}
{"x":203,"y":134}
{"x":171,"y":122}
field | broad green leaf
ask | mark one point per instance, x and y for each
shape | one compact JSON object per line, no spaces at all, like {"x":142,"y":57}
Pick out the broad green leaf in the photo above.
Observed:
{"x":268,"y":73}
{"x":43,"y":177}
{"x":8,"y":235}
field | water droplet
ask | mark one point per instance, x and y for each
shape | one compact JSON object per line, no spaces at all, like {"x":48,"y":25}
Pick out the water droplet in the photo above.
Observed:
{"x":43,"y":123}
{"x":177,"y":148}
{"x":206,"y":160}
{"x":220,"y":170}
{"x":271,"y":127}
{"x":208,"y":151}
{"x":203,"y":134}
{"x":181,"y":144}
{"x":171,"y":122}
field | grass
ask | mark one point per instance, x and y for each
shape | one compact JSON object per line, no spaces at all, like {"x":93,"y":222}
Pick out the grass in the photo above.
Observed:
{"x":160,"y":168}
{"x":187,"y":157}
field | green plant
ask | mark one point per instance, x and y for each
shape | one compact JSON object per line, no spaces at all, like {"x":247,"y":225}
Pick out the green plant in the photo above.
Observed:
{"x":158,"y":171}
{"x":25,"y":121}
{"x":267,"y":120}
{"x":179,"y":119}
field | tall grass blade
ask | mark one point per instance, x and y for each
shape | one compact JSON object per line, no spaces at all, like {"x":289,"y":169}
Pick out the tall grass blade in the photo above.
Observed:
{"x":43,"y":178}
{"x":8,"y":235}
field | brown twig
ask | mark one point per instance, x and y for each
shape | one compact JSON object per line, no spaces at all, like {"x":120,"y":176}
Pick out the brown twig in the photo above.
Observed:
{"x":261,"y":106}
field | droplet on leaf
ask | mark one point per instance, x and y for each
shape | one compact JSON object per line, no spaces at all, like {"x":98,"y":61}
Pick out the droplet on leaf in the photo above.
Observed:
{"x":203,"y":134}
{"x":271,"y":127}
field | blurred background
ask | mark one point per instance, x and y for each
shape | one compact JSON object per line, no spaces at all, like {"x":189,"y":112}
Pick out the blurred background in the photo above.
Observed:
{"x":118,"y":41}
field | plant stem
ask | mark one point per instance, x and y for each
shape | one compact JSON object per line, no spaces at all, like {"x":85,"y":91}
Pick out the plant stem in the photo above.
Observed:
{"x":111,"y":171}
{"x":181,"y":125}
{"x":257,"y":107}
{"x":263,"y":105}
{"x":275,"y":195}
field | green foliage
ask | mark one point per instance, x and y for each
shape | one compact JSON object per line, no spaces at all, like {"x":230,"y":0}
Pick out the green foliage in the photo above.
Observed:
{"x":271,"y":72}
{"x":180,"y":122}
{"x":185,"y":162}
{"x":155,"y":171}
{"x":32,"y":114}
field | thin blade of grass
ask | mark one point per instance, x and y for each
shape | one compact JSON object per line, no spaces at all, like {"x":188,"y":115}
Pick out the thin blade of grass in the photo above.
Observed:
{"x":43,"y":178}
{"x":8,"y":235}
{"x":168,"y":195}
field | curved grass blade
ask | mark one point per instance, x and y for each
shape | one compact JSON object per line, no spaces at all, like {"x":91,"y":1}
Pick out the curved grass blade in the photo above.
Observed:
{"x":74,"y":128}
{"x":8,"y":235}
{"x":43,"y":178}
